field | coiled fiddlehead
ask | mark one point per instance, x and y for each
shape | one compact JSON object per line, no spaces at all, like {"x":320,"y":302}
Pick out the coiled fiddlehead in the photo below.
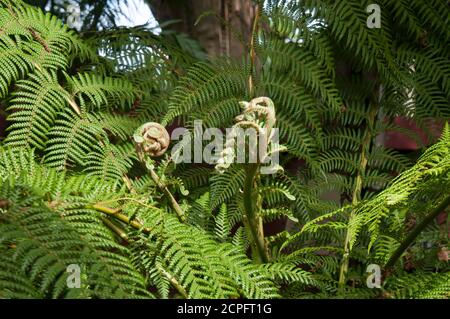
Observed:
{"x":258,"y":114}
{"x":152,"y":139}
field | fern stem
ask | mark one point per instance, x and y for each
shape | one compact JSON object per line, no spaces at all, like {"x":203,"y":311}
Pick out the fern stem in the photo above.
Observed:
{"x":116,"y":214}
{"x":172,"y":201}
{"x":356,"y":196}
{"x":253,"y":220}
{"x":252,"y":217}
{"x":120,"y":232}
{"x":253,"y":51}
{"x":416,"y":231}
{"x":173,"y":281}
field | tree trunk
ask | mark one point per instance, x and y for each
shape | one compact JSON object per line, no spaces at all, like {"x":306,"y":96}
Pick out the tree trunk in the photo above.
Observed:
{"x":225,"y":33}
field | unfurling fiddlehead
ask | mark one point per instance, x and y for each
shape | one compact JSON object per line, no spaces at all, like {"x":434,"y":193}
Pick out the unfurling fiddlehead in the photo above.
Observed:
{"x":258,"y":114}
{"x":152,"y":140}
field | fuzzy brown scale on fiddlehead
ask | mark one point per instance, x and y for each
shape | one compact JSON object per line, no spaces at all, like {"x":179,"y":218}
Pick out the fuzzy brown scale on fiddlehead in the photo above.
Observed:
{"x":152,"y":139}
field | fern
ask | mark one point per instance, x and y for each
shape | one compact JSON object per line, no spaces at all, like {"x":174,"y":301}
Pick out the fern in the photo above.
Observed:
{"x":77,"y":188}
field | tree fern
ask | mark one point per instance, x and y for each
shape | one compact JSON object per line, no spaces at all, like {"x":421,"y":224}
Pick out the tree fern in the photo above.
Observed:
{"x":78,"y":188}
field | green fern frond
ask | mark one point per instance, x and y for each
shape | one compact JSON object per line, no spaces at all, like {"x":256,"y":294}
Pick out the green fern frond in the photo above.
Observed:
{"x":204,"y":85}
{"x":34,"y":110}
{"x":110,"y":162}
{"x":225,"y":186}
{"x":100,"y":91}
{"x":72,"y":138}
